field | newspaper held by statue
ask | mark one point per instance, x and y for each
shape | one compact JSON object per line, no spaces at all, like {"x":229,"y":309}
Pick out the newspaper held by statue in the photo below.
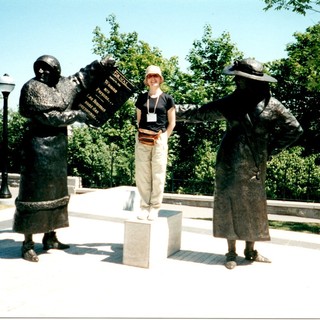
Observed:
{"x":101,"y":104}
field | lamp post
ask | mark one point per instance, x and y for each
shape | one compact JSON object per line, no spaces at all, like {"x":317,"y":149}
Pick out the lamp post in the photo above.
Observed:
{"x":6,"y":86}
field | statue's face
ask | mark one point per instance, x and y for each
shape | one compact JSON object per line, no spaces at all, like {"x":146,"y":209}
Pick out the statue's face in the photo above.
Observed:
{"x":46,"y":74}
{"x":243,"y":83}
{"x":43,"y":75}
{"x":251,"y":86}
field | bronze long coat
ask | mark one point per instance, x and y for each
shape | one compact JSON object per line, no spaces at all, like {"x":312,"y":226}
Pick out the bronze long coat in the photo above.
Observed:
{"x":41,"y":205}
{"x":252,"y":135}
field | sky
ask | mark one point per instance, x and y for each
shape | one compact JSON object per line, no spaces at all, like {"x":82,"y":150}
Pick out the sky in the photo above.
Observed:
{"x":64,"y":29}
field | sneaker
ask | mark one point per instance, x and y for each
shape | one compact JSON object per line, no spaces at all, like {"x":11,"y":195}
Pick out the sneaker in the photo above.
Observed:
{"x":143,"y":215}
{"x":153,"y":215}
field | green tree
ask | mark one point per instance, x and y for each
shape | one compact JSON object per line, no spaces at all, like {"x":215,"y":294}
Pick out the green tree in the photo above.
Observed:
{"x":207,"y":59}
{"x":298,"y":84}
{"x":117,"y":137}
{"x":87,"y":157}
{"x":16,"y":131}
{"x":205,"y":82}
{"x":104,"y":157}
{"x":133,"y":55}
{"x":290,"y":175}
{"x":299,"y":6}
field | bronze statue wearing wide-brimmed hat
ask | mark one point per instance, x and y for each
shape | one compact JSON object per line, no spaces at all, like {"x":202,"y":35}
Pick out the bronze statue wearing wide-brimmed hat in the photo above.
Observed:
{"x":248,"y":68}
{"x":259,"y":126}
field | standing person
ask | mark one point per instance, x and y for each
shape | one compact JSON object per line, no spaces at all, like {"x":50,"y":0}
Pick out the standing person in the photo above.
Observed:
{"x":156,"y":119}
{"x":259,"y":126}
{"x":46,"y":100}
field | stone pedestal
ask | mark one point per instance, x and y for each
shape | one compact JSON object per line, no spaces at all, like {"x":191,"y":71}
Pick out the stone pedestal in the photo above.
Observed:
{"x":146,"y":243}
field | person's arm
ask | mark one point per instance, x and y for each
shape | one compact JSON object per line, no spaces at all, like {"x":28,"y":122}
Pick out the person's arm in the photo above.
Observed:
{"x":194,"y":113}
{"x":138,"y":115}
{"x":171,"y":120}
{"x":287,"y":129}
{"x":60,"y":119}
{"x":91,"y":75}
{"x":33,"y":104}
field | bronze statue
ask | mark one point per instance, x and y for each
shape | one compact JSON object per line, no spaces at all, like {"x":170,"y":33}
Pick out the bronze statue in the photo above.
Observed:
{"x":47,"y":101}
{"x":259,"y":126}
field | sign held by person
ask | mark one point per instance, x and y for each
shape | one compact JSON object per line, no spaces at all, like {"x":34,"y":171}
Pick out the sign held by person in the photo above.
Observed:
{"x":107,"y":98}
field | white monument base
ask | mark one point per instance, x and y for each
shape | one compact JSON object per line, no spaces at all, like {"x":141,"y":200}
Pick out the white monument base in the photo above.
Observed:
{"x":146,"y":243}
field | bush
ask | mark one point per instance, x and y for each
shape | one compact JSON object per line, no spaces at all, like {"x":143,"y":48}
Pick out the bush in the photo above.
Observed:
{"x":291,"y":176}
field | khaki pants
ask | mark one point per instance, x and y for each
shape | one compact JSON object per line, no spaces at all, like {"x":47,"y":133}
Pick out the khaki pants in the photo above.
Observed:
{"x":150,"y":173}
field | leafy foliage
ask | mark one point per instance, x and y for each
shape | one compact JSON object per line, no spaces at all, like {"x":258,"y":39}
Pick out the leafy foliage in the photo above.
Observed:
{"x":207,"y":59}
{"x":298,"y":84}
{"x":292,"y":176}
{"x":16,"y":129}
{"x":104,"y":157}
{"x":133,"y":56}
{"x":299,"y":6}
{"x":196,"y":144}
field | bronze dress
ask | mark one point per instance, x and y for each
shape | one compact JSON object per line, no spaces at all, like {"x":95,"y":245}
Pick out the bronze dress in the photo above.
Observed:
{"x":41,"y":205}
{"x":254,"y":133}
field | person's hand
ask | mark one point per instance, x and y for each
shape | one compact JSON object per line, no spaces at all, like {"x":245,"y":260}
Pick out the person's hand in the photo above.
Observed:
{"x":81,"y":116}
{"x":92,"y":123}
{"x":108,"y":62}
{"x":184,"y":112}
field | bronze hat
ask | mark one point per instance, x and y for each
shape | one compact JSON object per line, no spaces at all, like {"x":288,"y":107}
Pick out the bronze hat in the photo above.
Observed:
{"x":248,"y":68}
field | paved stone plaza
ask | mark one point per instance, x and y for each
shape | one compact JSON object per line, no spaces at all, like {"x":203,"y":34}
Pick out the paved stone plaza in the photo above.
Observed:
{"x":90,"y":280}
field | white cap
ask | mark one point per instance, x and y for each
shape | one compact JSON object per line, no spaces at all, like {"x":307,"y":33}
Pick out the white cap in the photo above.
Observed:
{"x":153,"y":70}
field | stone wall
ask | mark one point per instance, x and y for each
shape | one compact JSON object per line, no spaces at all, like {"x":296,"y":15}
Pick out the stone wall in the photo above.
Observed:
{"x":291,"y":208}
{"x":74,"y":183}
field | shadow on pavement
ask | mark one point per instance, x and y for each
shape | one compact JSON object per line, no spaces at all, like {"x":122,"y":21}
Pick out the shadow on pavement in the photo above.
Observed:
{"x":205,"y":258}
{"x":111,"y":252}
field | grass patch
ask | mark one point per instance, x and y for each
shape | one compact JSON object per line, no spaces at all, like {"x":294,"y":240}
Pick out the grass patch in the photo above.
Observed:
{"x":306,"y":227}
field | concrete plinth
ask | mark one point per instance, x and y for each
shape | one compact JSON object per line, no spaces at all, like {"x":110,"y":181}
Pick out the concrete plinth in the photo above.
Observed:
{"x":146,"y":243}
